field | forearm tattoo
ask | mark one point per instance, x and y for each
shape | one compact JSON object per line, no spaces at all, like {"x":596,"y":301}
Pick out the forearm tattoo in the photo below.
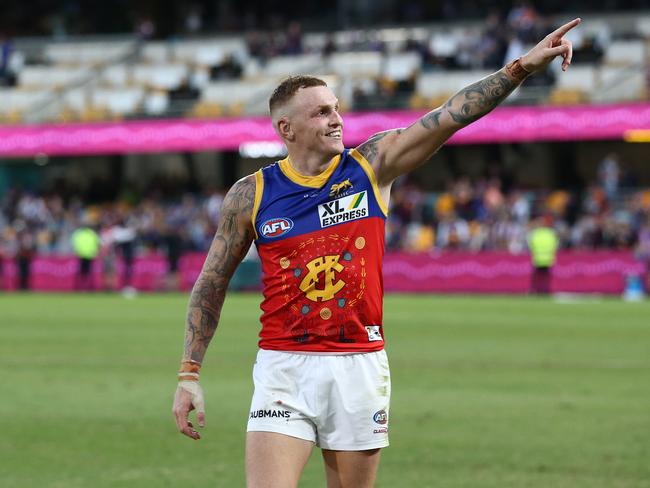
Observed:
{"x":229,"y":246}
{"x":473,"y":101}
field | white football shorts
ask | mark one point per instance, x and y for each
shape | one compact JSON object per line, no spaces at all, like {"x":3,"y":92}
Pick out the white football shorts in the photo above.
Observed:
{"x":339,"y":402}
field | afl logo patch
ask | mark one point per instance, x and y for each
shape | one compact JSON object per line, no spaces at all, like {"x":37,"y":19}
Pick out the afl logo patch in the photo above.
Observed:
{"x":276,"y":227}
{"x":380,"y":417}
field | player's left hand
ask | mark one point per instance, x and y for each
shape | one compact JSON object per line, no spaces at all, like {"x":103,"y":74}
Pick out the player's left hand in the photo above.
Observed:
{"x":549,"y":48}
{"x":188,"y":397}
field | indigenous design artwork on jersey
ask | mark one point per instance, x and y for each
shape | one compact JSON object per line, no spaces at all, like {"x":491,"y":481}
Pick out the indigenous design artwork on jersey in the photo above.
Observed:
{"x":329,"y":281}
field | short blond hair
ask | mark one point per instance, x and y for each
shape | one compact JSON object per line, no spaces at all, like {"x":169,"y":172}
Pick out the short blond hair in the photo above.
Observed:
{"x":288,"y":88}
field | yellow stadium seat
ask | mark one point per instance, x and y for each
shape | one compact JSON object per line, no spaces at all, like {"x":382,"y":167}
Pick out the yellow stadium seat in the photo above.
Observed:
{"x":568,"y":96}
{"x":236,"y":109}
{"x":206,"y":110}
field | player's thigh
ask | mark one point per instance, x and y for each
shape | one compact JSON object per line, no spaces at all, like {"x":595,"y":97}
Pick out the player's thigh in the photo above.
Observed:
{"x":351,"y":469}
{"x":275,"y":460}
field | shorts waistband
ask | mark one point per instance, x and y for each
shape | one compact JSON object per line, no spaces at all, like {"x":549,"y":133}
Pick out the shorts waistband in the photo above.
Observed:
{"x":323,"y":353}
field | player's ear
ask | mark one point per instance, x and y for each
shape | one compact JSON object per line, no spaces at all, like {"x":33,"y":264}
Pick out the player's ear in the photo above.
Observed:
{"x":285,"y":130}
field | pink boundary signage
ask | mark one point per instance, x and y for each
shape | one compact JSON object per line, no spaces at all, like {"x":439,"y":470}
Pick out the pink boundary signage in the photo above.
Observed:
{"x":505,"y":124}
{"x":579,"y":272}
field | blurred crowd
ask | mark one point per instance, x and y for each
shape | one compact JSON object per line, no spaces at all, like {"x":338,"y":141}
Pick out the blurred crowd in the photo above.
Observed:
{"x":492,"y":213}
{"x":507,"y":28}
{"x":468,"y":215}
{"x":163,"y":20}
{"x":44,"y":223}
{"x":479,"y":216}
{"x":505,"y":35}
{"x":34,"y":224}
{"x":486,"y":214}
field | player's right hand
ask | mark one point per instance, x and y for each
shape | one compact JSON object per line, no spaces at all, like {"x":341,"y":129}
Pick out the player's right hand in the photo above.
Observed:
{"x":549,"y":48}
{"x":188,"y":397}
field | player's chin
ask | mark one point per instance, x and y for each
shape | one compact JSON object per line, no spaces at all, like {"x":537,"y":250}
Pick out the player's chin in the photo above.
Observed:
{"x":336,"y":145}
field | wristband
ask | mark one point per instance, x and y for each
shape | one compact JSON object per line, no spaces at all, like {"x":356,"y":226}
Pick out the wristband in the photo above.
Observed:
{"x":516,"y":71}
{"x":189,"y":370}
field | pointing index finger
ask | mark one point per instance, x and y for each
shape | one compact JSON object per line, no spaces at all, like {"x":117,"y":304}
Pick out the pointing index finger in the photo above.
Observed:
{"x":560,"y":31}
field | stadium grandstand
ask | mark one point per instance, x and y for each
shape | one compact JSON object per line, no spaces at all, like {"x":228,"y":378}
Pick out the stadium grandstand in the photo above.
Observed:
{"x":72,"y":70}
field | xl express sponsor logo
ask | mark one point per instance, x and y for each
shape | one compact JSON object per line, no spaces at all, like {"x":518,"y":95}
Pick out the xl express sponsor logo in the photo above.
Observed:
{"x":276,"y":227}
{"x":351,"y":207}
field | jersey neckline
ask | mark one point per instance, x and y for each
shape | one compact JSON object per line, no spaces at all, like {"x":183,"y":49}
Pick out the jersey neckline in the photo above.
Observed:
{"x":316,"y":181}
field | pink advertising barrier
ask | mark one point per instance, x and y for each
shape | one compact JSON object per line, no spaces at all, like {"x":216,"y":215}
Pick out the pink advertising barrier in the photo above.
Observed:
{"x":493,"y":272}
{"x":505,"y":124}
{"x":450,"y":272}
{"x":57,"y":273}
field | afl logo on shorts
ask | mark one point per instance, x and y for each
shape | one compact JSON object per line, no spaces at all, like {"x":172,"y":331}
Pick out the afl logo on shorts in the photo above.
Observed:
{"x":276,"y":227}
{"x":380,"y":417}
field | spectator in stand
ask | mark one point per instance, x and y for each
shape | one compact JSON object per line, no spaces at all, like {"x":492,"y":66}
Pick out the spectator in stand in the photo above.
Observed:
{"x":7,"y":78}
{"x":465,"y":202}
{"x":212,"y":206}
{"x":643,"y":249}
{"x":596,"y":202}
{"x":330,"y":46}
{"x":293,"y":40}
{"x":194,"y":19}
{"x":178,"y":220}
{"x":26,"y":250}
{"x":523,"y":19}
{"x":255,"y":44}
{"x":124,"y":236}
{"x":229,"y":69}
{"x":519,"y":206}
{"x":145,"y":28}
{"x":609,"y":175}
{"x":4,"y":252}
{"x":493,"y":43}
{"x":419,"y":237}
{"x":109,"y":258}
{"x":515,"y":48}
{"x":453,"y":233}
{"x":174,"y":244}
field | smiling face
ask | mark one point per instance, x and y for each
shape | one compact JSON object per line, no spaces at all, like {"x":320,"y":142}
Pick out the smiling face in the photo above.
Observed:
{"x":311,"y":121}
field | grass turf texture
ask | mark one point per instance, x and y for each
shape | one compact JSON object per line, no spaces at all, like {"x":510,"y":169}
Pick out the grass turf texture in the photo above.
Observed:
{"x":487,"y":392}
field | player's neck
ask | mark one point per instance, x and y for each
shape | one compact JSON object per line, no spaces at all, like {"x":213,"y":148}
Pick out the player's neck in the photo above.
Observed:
{"x":309,"y":164}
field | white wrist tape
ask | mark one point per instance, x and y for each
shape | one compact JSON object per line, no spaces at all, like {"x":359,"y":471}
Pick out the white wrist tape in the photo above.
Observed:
{"x":189,"y":375}
{"x":194,"y":389}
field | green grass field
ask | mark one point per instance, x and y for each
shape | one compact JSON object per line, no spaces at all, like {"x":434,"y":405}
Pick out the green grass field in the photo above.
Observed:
{"x":487,"y":392}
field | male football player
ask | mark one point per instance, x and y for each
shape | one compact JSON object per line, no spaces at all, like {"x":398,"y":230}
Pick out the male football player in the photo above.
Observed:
{"x":317,"y":218}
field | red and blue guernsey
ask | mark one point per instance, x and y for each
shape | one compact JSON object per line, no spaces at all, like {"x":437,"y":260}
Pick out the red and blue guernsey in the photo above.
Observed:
{"x":321,"y":242}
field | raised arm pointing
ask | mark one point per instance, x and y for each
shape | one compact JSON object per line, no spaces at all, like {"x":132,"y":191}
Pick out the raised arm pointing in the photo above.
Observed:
{"x":395,"y":152}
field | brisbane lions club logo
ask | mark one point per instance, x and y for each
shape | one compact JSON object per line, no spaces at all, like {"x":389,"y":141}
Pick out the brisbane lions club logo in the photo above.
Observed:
{"x":276,"y":227}
{"x":337,"y":188}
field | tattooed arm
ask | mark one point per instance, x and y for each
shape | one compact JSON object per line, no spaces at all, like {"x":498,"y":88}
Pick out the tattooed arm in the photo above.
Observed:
{"x":229,"y":246}
{"x":395,"y":152}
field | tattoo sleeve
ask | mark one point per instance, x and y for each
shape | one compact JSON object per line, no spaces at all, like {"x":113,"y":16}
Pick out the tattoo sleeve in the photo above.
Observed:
{"x":229,"y":246}
{"x":474,"y":101}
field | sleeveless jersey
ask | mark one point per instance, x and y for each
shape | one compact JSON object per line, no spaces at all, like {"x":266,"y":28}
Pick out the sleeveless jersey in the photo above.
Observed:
{"x":321,"y":243}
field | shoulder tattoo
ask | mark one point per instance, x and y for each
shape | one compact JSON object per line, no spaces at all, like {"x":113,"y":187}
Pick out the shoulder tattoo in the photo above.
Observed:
{"x":370,"y":148}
